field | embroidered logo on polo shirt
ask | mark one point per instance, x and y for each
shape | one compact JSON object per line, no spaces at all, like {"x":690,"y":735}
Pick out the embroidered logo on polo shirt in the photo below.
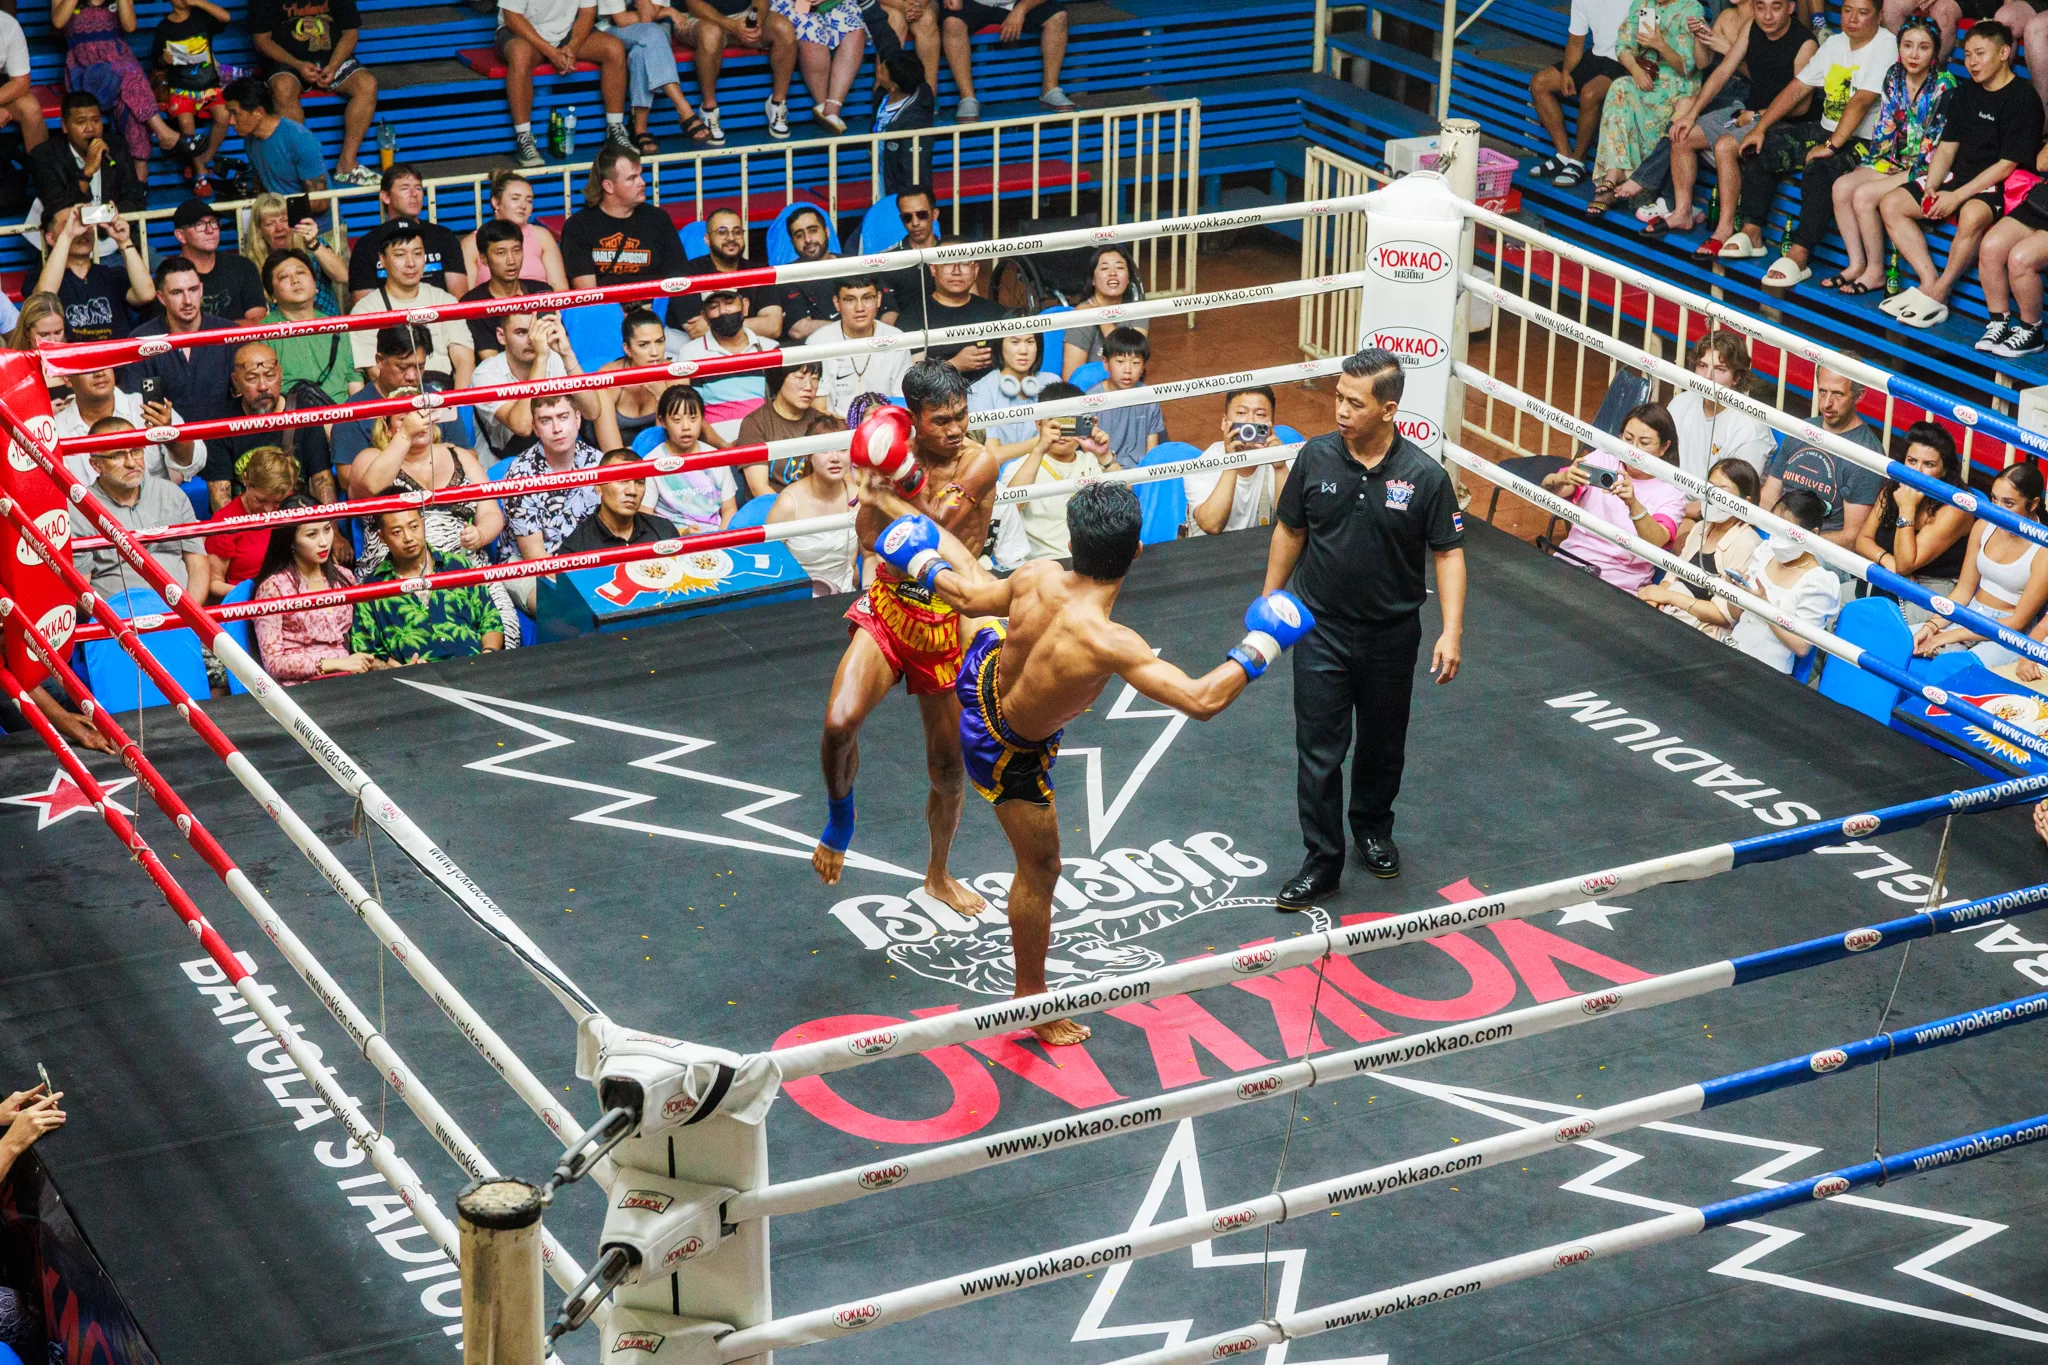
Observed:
{"x":1399,"y":491}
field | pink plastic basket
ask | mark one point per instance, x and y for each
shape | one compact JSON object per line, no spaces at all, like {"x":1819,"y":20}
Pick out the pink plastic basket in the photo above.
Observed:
{"x":1496,"y":171}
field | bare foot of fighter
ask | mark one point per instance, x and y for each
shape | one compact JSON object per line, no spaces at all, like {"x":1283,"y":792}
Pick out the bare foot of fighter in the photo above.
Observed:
{"x":949,"y":890}
{"x":1022,"y":679}
{"x":828,"y":862}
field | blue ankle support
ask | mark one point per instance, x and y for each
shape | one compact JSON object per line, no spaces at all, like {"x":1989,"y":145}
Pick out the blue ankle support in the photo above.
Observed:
{"x":839,"y":823}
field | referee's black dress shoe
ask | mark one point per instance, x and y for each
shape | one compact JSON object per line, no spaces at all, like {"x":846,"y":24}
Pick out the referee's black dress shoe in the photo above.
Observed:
{"x":1302,"y":891}
{"x":1380,"y":857}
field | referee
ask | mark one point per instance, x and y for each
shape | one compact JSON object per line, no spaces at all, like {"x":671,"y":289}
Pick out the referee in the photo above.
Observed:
{"x":1359,"y":510}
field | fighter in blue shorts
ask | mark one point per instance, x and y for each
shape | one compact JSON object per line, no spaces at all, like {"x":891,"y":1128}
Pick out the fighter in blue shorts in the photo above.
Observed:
{"x":1002,"y":764}
{"x":1025,"y":677}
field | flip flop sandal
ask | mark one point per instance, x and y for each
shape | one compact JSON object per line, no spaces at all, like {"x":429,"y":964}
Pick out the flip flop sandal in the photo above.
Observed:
{"x":1655,"y":228}
{"x":1903,"y":300}
{"x":1740,"y":248}
{"x":1708,"y":250}
{"x":1924,"y":314}
{"x":1830,"y":282}
{"x":647,"y":144}
{"x":696,"y":129}
{"x":1851,"y":289}
{"x":1785,"y":273}
{"x":1601,"y":204}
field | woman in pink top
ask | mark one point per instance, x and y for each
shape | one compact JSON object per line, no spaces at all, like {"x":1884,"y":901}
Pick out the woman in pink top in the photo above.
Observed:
{"x":1646,"y":507}
{"x":512,"y":200}
{"x":306,"y":644}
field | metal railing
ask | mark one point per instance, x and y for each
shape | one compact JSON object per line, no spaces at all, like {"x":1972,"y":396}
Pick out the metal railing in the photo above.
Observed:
{"x":1140,"y":161}
{"x":1663,"y":322}
{"x":1333,"y":245}
{"x":1446,"y":42}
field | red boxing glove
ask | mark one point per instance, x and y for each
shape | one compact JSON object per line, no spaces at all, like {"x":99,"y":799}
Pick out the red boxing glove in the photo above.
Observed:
{"x":882,"y":443}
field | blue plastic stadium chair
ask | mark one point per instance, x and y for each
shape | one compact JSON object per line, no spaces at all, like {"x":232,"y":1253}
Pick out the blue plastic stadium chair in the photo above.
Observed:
{"x":116,"y":679}
{"x":1089,"y":375}
{"x":780,"y":252}
{"x":498,"y":469}
{"x":241,"y":632}
{"x":594,"y":333}
{"x":202,"y":505}
{"x":1877,"y":625}
{"x":646,"y":441}
{"x":696,"y":241}
{"x":1941,"y":667}
{"x":1802,"y":667}
{"x":1164,"y":502}
{"x":881,"y":227}
{"x":754,"y":512}
{"x":1288,"y":435}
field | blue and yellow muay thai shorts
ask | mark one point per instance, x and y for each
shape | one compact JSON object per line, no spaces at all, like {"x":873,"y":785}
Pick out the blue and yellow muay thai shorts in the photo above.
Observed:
{"x":1002,"y":765}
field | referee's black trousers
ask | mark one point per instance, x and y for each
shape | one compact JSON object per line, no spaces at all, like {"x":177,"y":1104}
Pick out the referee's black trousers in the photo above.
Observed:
{"x":1370,"y":672}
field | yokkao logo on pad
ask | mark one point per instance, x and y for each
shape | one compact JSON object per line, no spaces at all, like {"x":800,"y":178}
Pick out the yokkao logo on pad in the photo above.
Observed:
{"x":1408,"y":262}
{"x":1416,"y":348}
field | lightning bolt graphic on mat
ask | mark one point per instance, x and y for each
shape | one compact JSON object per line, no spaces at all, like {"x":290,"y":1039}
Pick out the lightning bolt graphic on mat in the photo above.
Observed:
{"x":794,"y":843}
{"x":1741,"y":1266}
{"x":1182,"y":1164}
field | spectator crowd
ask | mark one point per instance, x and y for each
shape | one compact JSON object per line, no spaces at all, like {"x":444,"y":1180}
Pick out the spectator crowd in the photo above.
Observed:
{"x":1884,"y":139}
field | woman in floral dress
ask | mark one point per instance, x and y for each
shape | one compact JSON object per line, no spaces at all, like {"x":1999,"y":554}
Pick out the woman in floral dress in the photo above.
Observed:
{"x":1911,"y":116}
{"x":1655,"y":46}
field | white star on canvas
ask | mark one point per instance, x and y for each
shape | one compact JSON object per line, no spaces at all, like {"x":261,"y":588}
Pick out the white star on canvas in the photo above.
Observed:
{"x":1590,"y":912}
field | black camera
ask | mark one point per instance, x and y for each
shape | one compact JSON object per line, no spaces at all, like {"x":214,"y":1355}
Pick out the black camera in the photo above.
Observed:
{"x":1602,"y":478}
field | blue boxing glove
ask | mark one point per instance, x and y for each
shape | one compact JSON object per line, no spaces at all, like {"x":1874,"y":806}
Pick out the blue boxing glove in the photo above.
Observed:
{"x":911,"y":544}
{"x":1275,"y":621}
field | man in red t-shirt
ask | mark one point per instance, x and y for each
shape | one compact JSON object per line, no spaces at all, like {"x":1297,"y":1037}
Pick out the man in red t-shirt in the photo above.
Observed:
{"x":269,"y":477}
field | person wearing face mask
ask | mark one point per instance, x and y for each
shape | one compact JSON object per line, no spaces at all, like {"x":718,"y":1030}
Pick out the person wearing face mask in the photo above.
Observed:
{"x":1637,"y":503}
{"x":1785,"y":574}
{"x":725,"y":240}
{"x":2004,"y":576}
{"x":728,"y":398}
{"x":831,"y":558}
{"x":1913,"y":534}
{"x":1719,"y":542}
{"x":1707,"y":432}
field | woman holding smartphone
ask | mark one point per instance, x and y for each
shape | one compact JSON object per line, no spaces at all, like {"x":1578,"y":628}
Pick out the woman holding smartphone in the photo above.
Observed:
{"x":1637,"y":503}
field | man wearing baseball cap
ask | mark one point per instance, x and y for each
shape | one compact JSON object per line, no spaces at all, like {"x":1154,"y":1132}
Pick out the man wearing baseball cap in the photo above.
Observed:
{"x":230,"y":287}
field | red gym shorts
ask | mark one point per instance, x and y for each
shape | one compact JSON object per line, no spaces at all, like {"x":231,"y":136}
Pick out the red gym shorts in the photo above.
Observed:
{"x":917,"y":633}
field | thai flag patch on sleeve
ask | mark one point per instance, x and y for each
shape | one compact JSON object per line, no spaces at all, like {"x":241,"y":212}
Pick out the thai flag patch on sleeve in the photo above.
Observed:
{"x":1399,"y":491}
{"x":1458,"y":522}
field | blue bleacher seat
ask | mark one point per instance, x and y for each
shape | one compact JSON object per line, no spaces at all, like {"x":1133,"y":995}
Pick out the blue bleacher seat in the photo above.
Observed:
{"x":1941,"y":667}
{"x":780,"y":252}
{"x":195,"y":489}
{"x":696,"y":242}
{"x":881,"y":227}
{"x":593,"y":333}
{"x":1163,"y":501}
{"x":1288,"y":435}
{"x":1802,"y":666}
{"x":1876,"y":624}
{"x":1089,"y":375}
{"x":754,"y":512}
{"x":119,"y":682}
{"x":497,"y":470}
{"x":241,"y":632}
{"x":646,"y":441}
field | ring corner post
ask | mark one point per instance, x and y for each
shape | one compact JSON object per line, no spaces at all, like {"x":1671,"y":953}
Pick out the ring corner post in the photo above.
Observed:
{"x":1408,"y":304}
{"x":36,"y":591}
{"x":499,"y":1222}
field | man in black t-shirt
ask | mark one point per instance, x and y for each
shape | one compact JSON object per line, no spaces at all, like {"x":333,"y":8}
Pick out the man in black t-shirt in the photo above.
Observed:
{"x":310,"y":45}
{"x":725,"y":232}
{"x":233,"y":288}
{"x":807,"y":305}
{"x":952,"y":302}
{"x":501,"y":252}
{"x":257,"y":381}
{"x":918,"y":209}
{"x":618,"y":519}
{"x":1362,"y":512}
{"x":621,"y":237}
{"x":404,"y":198}
{"x":1994,"y":128}
{"x":100,"y":302}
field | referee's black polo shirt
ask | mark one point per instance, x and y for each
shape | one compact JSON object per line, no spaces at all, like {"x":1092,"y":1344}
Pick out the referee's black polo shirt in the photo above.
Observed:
{"x":1369,"y":533}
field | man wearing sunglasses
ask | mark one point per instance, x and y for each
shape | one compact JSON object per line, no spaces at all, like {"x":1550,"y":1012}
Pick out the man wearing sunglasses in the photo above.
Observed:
{"x":919,"y":209}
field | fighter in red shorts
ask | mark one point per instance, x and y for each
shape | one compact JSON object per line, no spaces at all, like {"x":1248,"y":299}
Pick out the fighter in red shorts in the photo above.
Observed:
{"x":900,"y":629}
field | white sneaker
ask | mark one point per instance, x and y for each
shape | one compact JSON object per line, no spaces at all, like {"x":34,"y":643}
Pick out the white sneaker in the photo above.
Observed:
{"x":967,"y":111}
{"x":778,"y":117}
{"x":1056,"y":98}
{"x":713,"y":119}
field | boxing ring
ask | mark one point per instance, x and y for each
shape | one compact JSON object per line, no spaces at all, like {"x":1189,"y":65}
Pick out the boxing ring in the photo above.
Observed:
{"x":1552,"y":781}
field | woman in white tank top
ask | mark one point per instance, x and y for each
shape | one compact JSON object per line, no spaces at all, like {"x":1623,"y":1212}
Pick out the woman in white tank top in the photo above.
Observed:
{"x":829,"y":557}
{"x":2005,"y":576}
